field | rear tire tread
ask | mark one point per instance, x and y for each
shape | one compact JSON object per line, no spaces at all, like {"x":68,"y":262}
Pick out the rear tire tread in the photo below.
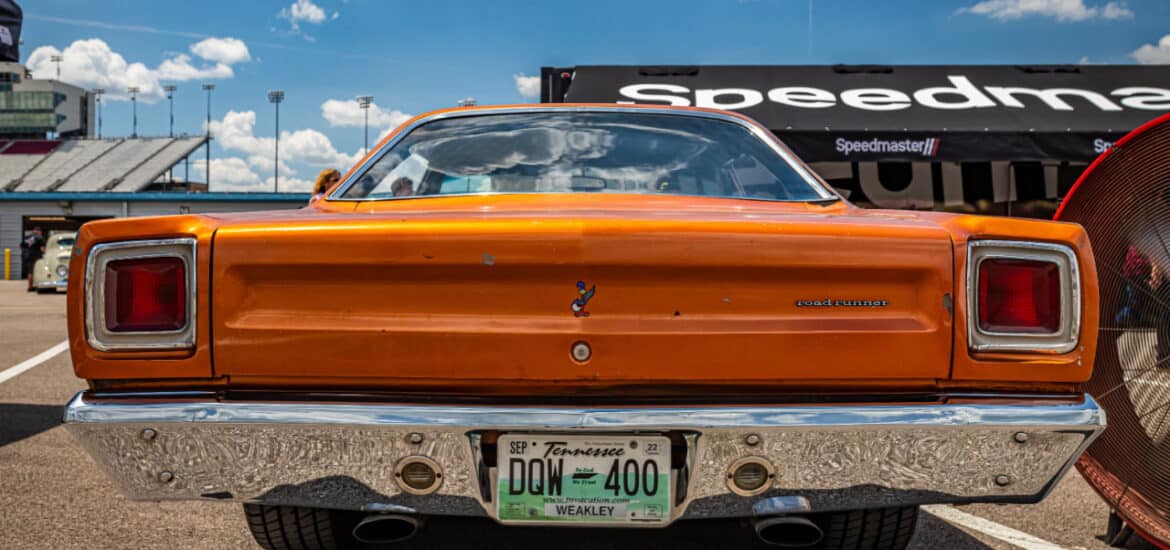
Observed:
{"x":876,"y":529}
{"x":291,"y":527}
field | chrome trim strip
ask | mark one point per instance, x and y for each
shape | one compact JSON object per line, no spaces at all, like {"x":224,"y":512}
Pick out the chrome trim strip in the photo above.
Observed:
{"x":768,"y":138}
{"x":86,"y":409}
{"x":103,"y":340}
{"x":1067,"y":336}
{"x":831,"y":457}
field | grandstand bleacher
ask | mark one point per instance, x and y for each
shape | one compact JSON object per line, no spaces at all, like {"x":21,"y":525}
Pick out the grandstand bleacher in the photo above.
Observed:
{"x":90,"y":165}
{"x":14,"y":166}
{"x":152,"y":167}
{"x":66,"y":159}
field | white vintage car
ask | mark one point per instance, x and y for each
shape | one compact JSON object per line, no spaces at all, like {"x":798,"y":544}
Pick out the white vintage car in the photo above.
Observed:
{"x":51,"y":272}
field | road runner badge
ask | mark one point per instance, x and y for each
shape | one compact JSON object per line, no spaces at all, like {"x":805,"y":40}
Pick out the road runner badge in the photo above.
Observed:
{"x":583,"y":297}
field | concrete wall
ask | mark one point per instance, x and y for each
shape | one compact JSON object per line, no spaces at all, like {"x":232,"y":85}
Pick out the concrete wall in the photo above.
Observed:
{"x":12,"y":214}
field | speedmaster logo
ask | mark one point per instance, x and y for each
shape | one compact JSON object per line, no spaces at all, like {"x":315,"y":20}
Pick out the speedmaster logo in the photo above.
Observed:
{"x":958,"y":93}
{"x":926,"y":147}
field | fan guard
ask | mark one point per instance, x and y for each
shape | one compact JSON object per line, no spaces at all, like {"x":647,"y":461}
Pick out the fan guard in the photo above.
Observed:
{"x":1123,"y":202}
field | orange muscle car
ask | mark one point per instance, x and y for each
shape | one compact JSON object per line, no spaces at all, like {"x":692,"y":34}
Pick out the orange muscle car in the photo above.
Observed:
{"x":583,"y":315}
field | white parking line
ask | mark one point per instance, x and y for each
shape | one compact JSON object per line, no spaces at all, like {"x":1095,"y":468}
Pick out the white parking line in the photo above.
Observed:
{"x":13,"y":372}
{"x":990,"y":528}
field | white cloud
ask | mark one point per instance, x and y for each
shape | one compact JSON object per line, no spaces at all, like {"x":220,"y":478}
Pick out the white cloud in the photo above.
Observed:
{"x":1061,"y":10}
{"x":304,"y":11}
{"x":236,"y":174}
{"x":1153,"y":54}
{"x":346,"y":113}
{"x":228,"y":51}
{"x":1116,"y":10}
{"x":90,"y":63}
{"x":237,"y":132}
{"x":527,"y":86}
{"x":252,"y":170}
{"x":179,"y":68}
{"x":290,"y":185}
{"x":229,"y":174}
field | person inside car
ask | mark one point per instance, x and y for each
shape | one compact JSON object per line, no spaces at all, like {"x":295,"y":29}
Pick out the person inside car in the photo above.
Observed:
{"x":402,"y":187}
{"x":325,"y":181}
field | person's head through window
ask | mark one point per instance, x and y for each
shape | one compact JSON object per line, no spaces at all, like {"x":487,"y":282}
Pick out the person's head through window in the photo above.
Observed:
{"x":325,"y":180}
{"x":402,"y":187}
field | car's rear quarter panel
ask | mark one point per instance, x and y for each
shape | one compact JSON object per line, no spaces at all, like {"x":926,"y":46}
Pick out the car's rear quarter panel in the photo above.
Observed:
{"x":1006,"y":370}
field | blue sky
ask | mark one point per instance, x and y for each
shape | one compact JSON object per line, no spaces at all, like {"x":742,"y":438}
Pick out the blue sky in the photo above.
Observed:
{"x":414,"y":56}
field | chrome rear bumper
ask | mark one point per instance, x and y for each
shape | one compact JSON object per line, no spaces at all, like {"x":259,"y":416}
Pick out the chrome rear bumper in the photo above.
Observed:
{"x":830,"y":457}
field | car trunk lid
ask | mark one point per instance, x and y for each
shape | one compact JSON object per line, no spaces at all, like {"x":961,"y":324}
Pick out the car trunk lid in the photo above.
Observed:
{"x":479,"y":299}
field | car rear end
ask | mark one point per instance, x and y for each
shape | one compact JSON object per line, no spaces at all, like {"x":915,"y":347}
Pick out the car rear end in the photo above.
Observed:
{"x":794,"y":364}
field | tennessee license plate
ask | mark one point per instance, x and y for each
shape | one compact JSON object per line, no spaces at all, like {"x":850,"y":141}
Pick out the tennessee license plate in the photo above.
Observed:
{"x":583,"y":478}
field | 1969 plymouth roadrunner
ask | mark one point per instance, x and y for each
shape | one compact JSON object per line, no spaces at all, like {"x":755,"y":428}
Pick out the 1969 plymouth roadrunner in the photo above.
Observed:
{"x":583,"y":315}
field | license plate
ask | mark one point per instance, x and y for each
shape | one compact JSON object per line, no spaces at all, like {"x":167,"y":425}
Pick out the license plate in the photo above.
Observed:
{"x":583,"y":478}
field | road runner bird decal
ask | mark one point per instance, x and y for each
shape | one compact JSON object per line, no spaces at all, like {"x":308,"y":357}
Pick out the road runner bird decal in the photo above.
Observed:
{"x":583,"y":297}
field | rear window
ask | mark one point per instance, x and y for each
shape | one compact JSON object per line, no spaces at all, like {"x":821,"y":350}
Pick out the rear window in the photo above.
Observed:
{"x":582,"y":152}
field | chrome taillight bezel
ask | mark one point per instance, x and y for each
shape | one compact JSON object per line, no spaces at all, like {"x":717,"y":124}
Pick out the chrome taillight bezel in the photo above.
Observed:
{"x":1068,"y":332}
{"x":102,"y":339}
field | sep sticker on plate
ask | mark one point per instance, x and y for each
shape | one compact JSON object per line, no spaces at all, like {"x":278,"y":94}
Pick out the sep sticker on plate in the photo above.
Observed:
{"x":583,"y":478}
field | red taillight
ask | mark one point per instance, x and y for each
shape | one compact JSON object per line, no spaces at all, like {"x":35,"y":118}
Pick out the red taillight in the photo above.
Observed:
{"x":1021,"y":296}
{"x":147,"y":294}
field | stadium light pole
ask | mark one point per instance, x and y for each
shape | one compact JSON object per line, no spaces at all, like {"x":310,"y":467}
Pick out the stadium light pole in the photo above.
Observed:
{"x":364,"y":102}
{"x":207,"y":87}
{"x":275,"y":97}
{"x":134,"y":102}
{"x":57,"y":59}
{"x":97,"y":98}
{"x":170,"y":90}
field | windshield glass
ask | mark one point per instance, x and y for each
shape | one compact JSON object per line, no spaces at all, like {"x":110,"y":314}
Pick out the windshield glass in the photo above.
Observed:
{"x":582,"y":152}
{"x":65,"y":241}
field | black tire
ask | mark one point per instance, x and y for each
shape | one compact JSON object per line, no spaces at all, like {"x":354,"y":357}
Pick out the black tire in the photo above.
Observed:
{"x":293,"y":528}
{"x":877,"y":528}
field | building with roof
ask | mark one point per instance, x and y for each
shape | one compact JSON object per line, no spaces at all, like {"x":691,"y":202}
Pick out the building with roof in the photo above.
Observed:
{"x":66,"y":210}
{"x":34,"y":109}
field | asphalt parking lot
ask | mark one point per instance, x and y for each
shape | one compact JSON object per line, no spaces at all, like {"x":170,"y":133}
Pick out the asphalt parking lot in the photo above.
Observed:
{"x":52,"y":495}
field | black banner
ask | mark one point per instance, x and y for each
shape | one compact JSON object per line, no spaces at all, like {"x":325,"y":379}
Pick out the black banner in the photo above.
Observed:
{"x":904,"y":113}
{"x":11,"y":20}
{"x":828,"y":146}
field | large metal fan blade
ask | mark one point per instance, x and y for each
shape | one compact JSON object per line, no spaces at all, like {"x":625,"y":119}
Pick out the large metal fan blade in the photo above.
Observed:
{"x":1123,"y":201}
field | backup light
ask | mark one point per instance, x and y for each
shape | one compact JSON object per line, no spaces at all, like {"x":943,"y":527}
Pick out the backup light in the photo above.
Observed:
{"x":147,"y":294}
{"x":1019,"y":296}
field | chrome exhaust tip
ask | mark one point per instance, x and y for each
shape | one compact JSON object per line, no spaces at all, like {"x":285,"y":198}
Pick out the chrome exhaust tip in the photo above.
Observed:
{"x":385,"y":528}
{"x":788,"y":532}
